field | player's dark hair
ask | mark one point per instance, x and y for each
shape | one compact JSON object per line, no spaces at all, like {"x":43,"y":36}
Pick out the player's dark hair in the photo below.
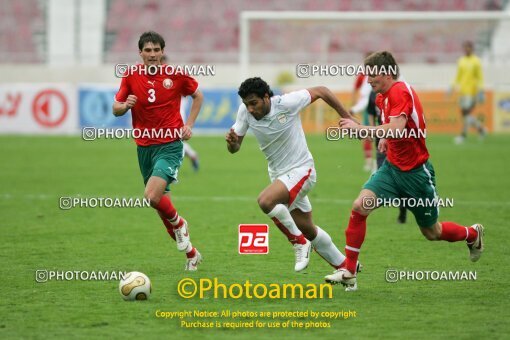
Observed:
{"x":151,"y":37}
{"x":384,"y":63}
{"x":468,"y":43}
{"x":255,"y":86}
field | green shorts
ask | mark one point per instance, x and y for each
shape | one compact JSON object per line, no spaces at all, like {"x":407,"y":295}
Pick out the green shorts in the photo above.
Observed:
{"x":389,"y":182}
{"x":161,"y":160}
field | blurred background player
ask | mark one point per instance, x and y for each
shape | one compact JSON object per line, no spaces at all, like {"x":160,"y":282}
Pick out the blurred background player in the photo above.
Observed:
{"x":189,"y":152}
{"x":360,"y":98}
{"x":277,"y":126}
{"x":153,"y":107}
{"x":407,"y":172}
{"x":469,"y":82}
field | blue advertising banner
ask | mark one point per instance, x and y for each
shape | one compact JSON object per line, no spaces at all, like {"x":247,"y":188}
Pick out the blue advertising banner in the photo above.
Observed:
{"x":95,"y":108}
{"x":219,"y":109}
{"x":218,"y":112}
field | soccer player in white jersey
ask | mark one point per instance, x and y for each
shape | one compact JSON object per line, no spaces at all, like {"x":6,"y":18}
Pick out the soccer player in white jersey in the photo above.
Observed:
{"x":275,"y":123}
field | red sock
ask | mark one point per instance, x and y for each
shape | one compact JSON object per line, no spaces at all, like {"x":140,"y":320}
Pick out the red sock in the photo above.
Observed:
{"x":191,"y":253}
{"x":168,"y":225}
{"x":452,"y":232}
{"x":167,"y":209}
{"x":292,"y":238}
{"x":354,"y":237}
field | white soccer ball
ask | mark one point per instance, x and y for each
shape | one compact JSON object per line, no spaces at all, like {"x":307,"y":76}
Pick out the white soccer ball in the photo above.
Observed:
{"x":135,"y":286}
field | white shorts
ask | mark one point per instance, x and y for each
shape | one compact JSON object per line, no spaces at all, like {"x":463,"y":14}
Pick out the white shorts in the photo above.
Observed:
{"x":299,"y":181}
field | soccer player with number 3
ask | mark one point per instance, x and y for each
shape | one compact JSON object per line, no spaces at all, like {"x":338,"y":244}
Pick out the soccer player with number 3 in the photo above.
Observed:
{"x":154,"y":99}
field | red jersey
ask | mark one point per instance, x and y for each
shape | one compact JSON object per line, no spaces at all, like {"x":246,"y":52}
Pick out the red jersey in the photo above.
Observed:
{"x":404,"y":153}
{"x":158,"y":103}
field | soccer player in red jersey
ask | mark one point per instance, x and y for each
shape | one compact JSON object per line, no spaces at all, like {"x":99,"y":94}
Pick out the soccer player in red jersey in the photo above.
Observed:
{"x":154,"y":97}
{"x":406,"y":173}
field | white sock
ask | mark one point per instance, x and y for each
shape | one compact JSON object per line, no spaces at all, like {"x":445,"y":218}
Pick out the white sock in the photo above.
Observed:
{"x":283,"y":215}
{"x":189,"y":248}
{"x":326,"y":248}
{"x":189,"y":151}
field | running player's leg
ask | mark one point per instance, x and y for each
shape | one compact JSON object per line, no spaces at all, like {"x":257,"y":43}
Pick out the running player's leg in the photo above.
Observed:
{"x":192,"y":255}
{"x":320,"y":239}
{"x":273,"y":200}
{"x":154,"y":191}
{"x":380,"y":184}
{"x":160,"y":166}
{"x":421,"y":185}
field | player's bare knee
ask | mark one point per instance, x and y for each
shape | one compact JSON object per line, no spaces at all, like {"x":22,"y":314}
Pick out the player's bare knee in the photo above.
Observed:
{"x":153,"y":196}
{"x":266,"y":203}
{"x":358,"y":207}
{"x":432,"y":233}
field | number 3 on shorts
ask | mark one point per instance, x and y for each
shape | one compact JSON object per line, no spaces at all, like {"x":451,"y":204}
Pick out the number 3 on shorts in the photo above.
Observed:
{"x":152,"y":95}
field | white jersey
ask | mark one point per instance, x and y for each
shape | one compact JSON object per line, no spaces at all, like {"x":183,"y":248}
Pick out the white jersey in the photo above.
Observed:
{"x":280,"y":133}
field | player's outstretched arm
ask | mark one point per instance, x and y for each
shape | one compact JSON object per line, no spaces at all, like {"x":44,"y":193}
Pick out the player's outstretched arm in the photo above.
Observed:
{"x":329,"y":97}
{"x":198,"y":99}
{"x":397,"y":123}
{"x":233,"y":141}
{"x":120,"y":109}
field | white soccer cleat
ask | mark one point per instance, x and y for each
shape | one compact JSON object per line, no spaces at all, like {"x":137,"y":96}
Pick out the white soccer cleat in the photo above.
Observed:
{"x":302,"y":252}
{"x":476,"y":248}
{"x":344,"y":277}
{"x":192,"y":263}
{"x":182,"y":236}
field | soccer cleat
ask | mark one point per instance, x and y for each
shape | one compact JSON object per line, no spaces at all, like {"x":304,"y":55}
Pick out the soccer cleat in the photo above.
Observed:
{"x":302,"y":252}
{"x":459,"y":140}
{"x":182,"y":236}
{"x":359,"y":266}
{"x":344,"y":277}
{"x":476,"y":248}
{"x":193,"y":262}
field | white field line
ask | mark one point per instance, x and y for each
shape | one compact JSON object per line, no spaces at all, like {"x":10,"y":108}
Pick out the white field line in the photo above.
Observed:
{"x":339,"y":201}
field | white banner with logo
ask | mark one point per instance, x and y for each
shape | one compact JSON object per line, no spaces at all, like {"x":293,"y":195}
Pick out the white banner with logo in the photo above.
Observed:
{"x":38,"y":108}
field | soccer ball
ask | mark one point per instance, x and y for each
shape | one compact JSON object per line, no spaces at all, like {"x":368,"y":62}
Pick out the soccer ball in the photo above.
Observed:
{"x":135,"y":286}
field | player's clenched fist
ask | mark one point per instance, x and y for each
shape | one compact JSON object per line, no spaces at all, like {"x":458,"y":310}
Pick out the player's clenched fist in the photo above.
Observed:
{"x":131,"y":101}
{"x":233,"y":141}
{"x":383,"y":145}
{"x":186,"y":132}
{"x":231,"y":137}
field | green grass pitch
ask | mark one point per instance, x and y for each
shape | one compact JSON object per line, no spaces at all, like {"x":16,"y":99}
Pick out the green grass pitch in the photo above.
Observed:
{"x":36,"y":234}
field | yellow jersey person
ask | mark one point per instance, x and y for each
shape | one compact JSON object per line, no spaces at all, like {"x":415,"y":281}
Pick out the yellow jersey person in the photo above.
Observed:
{"x":469,"y":83}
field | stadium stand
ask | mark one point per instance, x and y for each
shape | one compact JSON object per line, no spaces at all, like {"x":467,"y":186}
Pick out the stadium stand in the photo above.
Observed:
{"x":199,"y":31}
